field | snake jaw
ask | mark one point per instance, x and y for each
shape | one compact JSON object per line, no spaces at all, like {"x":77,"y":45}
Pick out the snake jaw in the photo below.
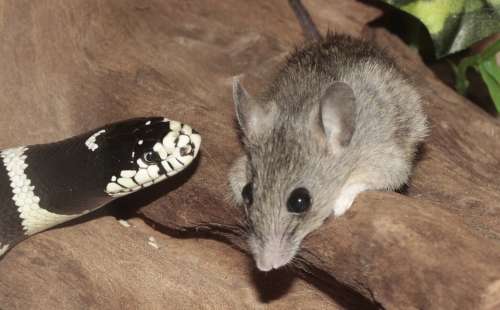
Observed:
{"x":178,"y":148}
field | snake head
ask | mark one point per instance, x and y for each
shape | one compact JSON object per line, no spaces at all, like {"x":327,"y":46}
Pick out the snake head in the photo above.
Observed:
{"x":144,"y":151}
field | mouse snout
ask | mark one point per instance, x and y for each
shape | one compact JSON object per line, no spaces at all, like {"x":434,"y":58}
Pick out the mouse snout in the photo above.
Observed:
{"x":271,"y":254}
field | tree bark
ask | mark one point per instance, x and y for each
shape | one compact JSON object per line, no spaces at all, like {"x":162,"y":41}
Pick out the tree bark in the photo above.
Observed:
{"x":69,"y":66}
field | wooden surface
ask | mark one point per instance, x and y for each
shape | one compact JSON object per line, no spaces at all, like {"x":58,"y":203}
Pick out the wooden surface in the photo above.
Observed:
{"x":101,"y":264}
{"x":69,"y":66}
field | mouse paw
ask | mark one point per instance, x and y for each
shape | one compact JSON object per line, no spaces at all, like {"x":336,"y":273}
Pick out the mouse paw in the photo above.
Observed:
{"x":238,"y":179}
{"x":346,"y":198}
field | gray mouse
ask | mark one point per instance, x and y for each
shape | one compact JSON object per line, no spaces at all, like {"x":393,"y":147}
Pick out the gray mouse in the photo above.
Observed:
{"x":338,"y":119}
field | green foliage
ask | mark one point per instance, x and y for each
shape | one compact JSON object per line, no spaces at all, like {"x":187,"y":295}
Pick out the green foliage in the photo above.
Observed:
{"x":454,"y":25}
{"x":486,"y":64}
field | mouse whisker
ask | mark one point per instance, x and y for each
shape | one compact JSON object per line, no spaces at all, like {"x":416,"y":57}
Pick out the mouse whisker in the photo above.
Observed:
{"x":286,"y":231}
{"x":214,"y":162}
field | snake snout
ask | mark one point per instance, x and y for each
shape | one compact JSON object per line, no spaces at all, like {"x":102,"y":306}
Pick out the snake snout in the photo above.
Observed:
{"x":163,"y":148}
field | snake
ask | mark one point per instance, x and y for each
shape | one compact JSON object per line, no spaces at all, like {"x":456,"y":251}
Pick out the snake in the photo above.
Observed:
{"x":45,"y":185}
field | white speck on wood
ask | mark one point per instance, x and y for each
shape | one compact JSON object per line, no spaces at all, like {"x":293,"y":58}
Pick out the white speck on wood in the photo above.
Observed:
{"x":152,"y":242}
{"x":124,"y":223}
{"x":3,"y":249}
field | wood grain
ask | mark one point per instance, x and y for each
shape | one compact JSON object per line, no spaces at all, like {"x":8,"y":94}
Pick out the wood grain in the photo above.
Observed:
{"x":101,"y":264}
{"x":68,"y":66}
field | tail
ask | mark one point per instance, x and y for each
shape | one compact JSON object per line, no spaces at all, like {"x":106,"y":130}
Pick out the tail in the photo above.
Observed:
{"x":308,"y":27}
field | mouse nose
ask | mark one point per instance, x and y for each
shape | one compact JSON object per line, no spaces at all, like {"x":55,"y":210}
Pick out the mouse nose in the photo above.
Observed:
{"x":273,"y":255}
{"x":268,"y":263}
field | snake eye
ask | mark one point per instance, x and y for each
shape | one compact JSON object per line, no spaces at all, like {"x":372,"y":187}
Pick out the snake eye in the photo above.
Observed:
{"x":299,"y":201}
{"x":247,"y":194}
{"x":151,"y":157}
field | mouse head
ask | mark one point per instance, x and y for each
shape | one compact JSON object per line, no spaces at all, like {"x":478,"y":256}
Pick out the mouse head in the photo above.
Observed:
{"x":292,"y":166}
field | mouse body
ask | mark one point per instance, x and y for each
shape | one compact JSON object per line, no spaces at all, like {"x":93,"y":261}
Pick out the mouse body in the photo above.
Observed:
{"x":339,"y":118}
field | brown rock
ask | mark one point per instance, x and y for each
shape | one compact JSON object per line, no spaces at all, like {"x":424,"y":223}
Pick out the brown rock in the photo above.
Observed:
{"x":68,"y":66}
{"x":100,"y":264}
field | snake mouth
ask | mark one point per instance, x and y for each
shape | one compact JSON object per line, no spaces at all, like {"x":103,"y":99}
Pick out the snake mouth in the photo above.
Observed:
{"x":163,"y":148}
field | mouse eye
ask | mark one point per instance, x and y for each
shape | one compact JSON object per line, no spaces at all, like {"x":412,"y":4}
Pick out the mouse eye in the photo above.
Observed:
{"x":150,"y":157}
{"x":299,"y":201}
{"x":247,"y":193}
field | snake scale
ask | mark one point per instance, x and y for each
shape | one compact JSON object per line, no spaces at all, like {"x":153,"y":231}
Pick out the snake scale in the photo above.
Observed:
{"x":44,"y":185}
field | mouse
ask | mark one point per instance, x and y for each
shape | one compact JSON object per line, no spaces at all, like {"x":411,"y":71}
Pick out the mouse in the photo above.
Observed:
{"x":338,"y":118}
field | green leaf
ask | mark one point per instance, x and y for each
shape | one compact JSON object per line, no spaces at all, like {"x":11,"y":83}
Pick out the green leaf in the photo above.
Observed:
{"x":454,"y":24}
{"x":492,"y":82}
{"x":492,"y":68}
{"x":462,"y":83}
{"x":492,"y":50}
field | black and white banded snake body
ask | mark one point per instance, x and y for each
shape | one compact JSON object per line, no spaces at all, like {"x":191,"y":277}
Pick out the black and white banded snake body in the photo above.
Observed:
{"x":44,"y":185}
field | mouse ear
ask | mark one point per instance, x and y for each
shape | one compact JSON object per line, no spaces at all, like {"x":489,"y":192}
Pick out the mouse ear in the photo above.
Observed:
{"x":253,"y":118}
{"x":337,"y":114}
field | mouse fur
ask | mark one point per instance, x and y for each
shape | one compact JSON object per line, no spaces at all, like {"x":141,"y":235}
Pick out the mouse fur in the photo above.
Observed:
{"x":339,"y":118}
